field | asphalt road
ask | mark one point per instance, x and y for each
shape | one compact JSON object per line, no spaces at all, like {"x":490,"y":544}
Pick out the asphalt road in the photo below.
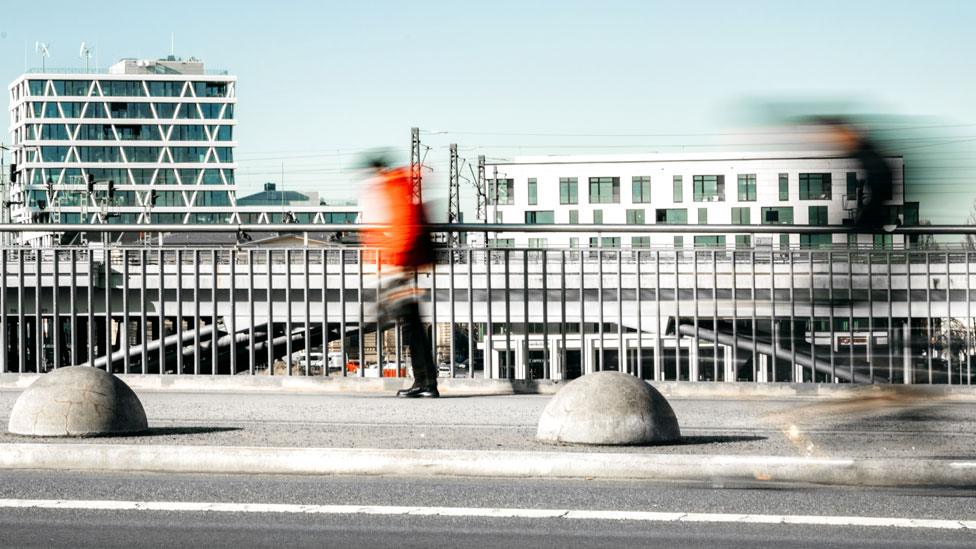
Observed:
{"x":254,"y":527}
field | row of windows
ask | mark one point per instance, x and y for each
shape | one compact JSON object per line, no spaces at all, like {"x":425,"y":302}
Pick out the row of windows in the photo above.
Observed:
{"x":816,"y":240}
{"x":127,"y":88}
{"x":133,"y":176}
{"x":179,"y":111}
{"x":300,"y":217}
{"x":705,"y":188}
{"x":127,"y":132}
{"x":40,"y":199}
{"x":778,"y":215}
{"x":132,"y":154}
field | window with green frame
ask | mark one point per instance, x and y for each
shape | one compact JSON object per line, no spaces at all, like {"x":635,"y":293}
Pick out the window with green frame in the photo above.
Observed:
{"x":538,"y":242}
{"x":604,"y":190}
{"x":710,"y":241}
{"x":817,"y":215}
{"x":708,"y":188}
{"x":679,"y":242}
{"x":741,"y":216}
{"x":597,"y":217}
{"x":541,"y":217}
{"x":640,"y":189}
{"x":605,"y":242}
{"x":568,"y":190}
{"x":702,"y":216}
{"x":743,"y":241}
{"x":747,"y":187}
{"x":501,"y":192}
{"x":784,"y":186}
{"x":674,"y":216}
{"x":640,"y":242}
{"x":782,"y":215}
{"x":784,"y":241}
{"x":816,"y":240}
{"x":532,"y":187}
{"x":573,"y":217}
{"x":883,"y":241}
{"x":635,"y":216}
{"x":815,"y":186}
{"x":676,"y":190}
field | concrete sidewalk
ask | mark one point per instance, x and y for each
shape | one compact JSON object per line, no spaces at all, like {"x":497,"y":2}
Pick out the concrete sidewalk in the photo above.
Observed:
{"x":868,"y":436}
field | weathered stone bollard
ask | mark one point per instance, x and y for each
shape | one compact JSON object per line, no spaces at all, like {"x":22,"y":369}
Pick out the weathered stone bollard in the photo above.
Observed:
{"x":608,"y":408}
{"x":77,"y":401}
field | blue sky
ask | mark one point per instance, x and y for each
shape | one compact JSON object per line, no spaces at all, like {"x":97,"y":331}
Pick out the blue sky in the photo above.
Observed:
{"x":321,"y":81}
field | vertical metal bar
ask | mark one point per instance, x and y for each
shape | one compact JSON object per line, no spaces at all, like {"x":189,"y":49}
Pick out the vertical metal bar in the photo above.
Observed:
{"x":677,"y":320}
{"x":830,"y":314}
{"x":433,"y":311}
{"x":251,"y":354}
{"x":850,"y":311}
{"x":658,"y":347}
{"x":735,"y":317}
{"x":794,"y":368}
{"x":143,"y":322}
{"x":694,"y":361}
{"x":288,"y":323}
{"x":325,"y":313}
{"x":948,"y":319}
{"x":471,"y":349}
{"x":362,"y":323}
{"x":124,"y":326}
{"x":908,"y":319}
{"x":21,"y":329}
{"x":715,"y":345}
{"x":342,"y":311}
{"x":890,"y":331}
{"x":4,"y":324}
{"x":562,"y":315}
{"x":813,"y":320}
{"x":109,"y":367}
{"x":621,"y":354}
{"x":270,"y":306}
{"x":638,"y":307}
{"x":584,"y":359}
{"x":308,"y":315}
{"x":39,"y":358}
{"x":755,"y":325}
{"x":600,"y":364}
{"x":869,"y":350}
{"x":91,"y":309}
{"x":772,"y":310}
{"x":232,"y":316}
{"x":214,"y":312}
{"x":546,"y":373}
{"x":928,"y":303}
{"x":196,"y":312}
{"x":509,"y":367}
{"x":72,"y":305}
{"x":489,"y":349}
{"x":380,"y":355}
{"x":451,"y":259}
{"x":526,"y":372}
{"x":55,"y":316}
{"x":969,"y":321}
{"x":161,"y":295}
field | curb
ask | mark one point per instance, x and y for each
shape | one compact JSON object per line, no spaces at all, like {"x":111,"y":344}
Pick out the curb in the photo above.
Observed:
{"x":472,"y":463}
{"x":490,"y":387}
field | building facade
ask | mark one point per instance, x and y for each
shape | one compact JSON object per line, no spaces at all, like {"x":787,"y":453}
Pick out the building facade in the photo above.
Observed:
{"x":693,"y":189}
{"x":147,"y":141}
{"x":274,"y":206}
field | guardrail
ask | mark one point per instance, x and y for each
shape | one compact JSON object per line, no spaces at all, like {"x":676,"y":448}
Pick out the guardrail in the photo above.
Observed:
{"x":761,"y":315}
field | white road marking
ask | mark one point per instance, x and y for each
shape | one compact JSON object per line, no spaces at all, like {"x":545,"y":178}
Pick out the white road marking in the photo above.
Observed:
{"x":579,"y":514}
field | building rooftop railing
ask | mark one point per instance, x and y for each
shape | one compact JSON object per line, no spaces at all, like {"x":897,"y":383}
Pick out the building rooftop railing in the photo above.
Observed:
{"x":96,"y":70}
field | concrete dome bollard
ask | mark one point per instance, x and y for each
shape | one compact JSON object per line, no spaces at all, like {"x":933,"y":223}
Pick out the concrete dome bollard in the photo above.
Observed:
{"x":608,"y":408}
{"x":77,"y":401}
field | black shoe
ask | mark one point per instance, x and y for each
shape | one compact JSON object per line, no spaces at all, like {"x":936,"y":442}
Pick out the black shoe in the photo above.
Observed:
{"x":429,"y":392}
{"x":412,"y":392}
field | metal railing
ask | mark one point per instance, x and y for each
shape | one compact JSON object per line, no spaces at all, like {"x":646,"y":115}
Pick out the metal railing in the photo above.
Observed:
{"x":759,"y":315}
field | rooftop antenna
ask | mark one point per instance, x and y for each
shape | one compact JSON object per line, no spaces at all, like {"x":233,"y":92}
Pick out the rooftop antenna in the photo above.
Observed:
{"x":85,"y":52}
{"x":44,"y":50}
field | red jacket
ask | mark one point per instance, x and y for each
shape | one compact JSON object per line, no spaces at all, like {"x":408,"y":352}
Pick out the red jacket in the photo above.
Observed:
{"x":404,"y":241}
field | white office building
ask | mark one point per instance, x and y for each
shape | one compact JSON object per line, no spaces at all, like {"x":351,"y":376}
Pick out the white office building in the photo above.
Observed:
{"x":147,"y":141}
{"x":699,"y":188}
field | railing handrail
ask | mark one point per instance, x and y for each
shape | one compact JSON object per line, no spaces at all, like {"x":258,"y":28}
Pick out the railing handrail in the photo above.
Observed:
{"x":482,"y":228}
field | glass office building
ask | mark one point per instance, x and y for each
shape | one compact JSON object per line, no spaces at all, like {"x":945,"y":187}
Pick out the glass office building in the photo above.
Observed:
{"x":147,"y":141}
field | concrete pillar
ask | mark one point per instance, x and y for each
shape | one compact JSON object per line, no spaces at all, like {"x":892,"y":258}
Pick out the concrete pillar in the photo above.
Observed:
{"x":762,"y":372}
{"x":728,"y":363}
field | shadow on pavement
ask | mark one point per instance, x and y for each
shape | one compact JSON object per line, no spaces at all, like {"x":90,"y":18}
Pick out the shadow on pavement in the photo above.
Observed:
{"x":714,"y":439}
{"x":169,"y":431}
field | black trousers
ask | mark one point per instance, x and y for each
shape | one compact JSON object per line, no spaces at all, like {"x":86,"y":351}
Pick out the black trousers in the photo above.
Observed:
{"x":424,"y":370}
